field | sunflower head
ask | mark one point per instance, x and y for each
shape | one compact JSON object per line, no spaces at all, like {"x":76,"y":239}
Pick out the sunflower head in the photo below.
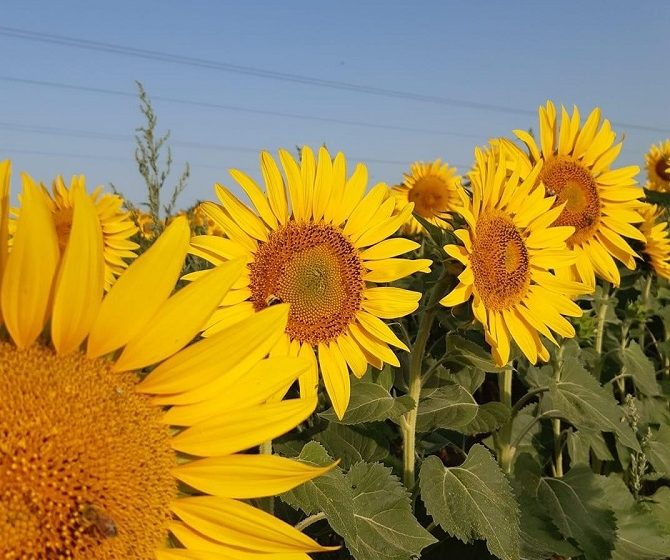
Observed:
{"x":509,"y":249}
{"x":95,"y":463}
{"x":315,"y":239}
{"x":657,"y":161}
{"x":435,"y":190}
{"x":657,"y":245}
{"x":116,"y":224}
{"x":599,"y":202}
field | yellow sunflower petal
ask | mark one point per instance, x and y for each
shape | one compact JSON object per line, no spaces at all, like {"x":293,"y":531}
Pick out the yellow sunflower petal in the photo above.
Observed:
{"x":246,"y":476}
{"x":139,"y":293}
{"x":335,"y":377}
{"x":389,"y":248}
{"x":231,"y":433}
{"x":274,"y":184}
{"x":32,"y":263}
{"x":388,"y":270}
{"x":80,"y":281}
{"x":180,"y":319}
{"x":389,"y":302}
{"x":377,"y":328}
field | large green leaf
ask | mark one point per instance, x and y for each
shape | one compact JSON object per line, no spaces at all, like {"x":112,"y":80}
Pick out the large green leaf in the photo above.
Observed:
{"x":330,"y":493}
{"x":473,"y":501}
{"x":466,"y":352}
{"x":352,"y":444}
{"x":641,"y":368}
{"x":449,"y":406}
{"x":581,"y":400}
{"x":490,"y":416}
{"x":575,"y":505}
{"x":581,"y":442}
{"x":385,"y":526}
{"x":658,"y":451}
{"x":639,"y":534}
{"x":370,"y":403}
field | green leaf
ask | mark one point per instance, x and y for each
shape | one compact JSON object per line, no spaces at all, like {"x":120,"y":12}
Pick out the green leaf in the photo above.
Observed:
{"x":473,"y":501}
{"x":385,"y":526}
{"x":370,"y":403}
{"x":583,"y":402}
{"x":330,"y":493}
{"x":581,"y":442}
{"x":490,"y":416}
{"x":466,"y":352}
{"x":354,"y":444}
{"x":641,"y":368}
{"x":639,"y":534}
{"x":660,"y":508}
{"x":658,"y":451}
{"x":575,"y":505}
{"x":449,"y":406}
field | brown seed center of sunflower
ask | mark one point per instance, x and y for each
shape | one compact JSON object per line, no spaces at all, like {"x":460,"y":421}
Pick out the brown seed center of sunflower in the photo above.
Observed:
{"x":84,"y":460}
{"x":662,"y":169}
{"x":316,"y":269}
{"x":499,"y":262}
{"x":429,"y":195}
{"x":573,"y":185}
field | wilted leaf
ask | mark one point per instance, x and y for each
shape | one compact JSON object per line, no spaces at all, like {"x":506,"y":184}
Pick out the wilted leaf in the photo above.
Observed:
{"x":473,"y":501}
{"x":575,"y":505}
{"x":370,"y":403}
{"x":583,"y":402}
{"x":354,"y":444}
{"x":385,"y":526}
{"x":641,"y":368}
{"x":449,"y":406}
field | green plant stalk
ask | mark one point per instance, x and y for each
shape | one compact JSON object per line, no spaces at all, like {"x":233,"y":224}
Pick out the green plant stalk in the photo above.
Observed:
{"x":645,"y":301}
{"x":503,"y":437}
{"x":600,"y":322}
{"x":557,"y":467}
{"x":408,"y":423}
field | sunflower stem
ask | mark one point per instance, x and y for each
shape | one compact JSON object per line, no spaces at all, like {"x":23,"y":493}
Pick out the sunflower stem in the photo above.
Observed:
{"x":600,"y":322}
{"x":645,"y":302}
{"x":268,"y":503}
{"x":503,"y":436}
{"x":408,"y":427}
{"x":557,"y":467}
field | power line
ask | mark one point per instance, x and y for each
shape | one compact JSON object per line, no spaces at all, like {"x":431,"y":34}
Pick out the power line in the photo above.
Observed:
{"x":239,"y":109}
{"x":271,"y":74}
{"x":77,"y":133}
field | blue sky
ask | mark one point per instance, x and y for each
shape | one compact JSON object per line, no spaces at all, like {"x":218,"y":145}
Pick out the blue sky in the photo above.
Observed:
{"x":511,"y":55}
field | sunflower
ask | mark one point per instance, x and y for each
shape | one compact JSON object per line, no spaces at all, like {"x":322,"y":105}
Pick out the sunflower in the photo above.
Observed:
{"x":657,"y":246}
{"x":600,"y":203}
{"x":434,"y":189}
{"x":117,"y":225}
{"x":319,"y":248}
{"x":509,"y":248}
{"x":91,"y":464}
{"x":511,"y":156}
{"x":658,"y":167}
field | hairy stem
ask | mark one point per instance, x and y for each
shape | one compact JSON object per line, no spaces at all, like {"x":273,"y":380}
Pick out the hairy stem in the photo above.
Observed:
{"x":504,"y":434}
{"x":645,"y":302}
{"x":600,"y":322}
{"x":415,"y":366}
{"x":556,"y":422}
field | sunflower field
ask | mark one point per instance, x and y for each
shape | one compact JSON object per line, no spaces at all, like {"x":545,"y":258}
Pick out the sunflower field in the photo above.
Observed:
{"x":451,"y":366}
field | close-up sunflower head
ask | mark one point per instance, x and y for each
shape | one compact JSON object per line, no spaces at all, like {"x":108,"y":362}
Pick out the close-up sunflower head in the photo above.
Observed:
{"x":657,"y":161}
{"x":116,"y":224}
{"x":102,"y":460}
{"x":315,"y":238}
{"x":510,"y":247}
{"x":599,"y":202}
{"x":657,"y":245}
{"x":435,"y":190}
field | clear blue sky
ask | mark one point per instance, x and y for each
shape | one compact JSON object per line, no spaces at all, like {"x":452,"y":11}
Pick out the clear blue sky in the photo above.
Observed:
{"x":610,"y":53}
